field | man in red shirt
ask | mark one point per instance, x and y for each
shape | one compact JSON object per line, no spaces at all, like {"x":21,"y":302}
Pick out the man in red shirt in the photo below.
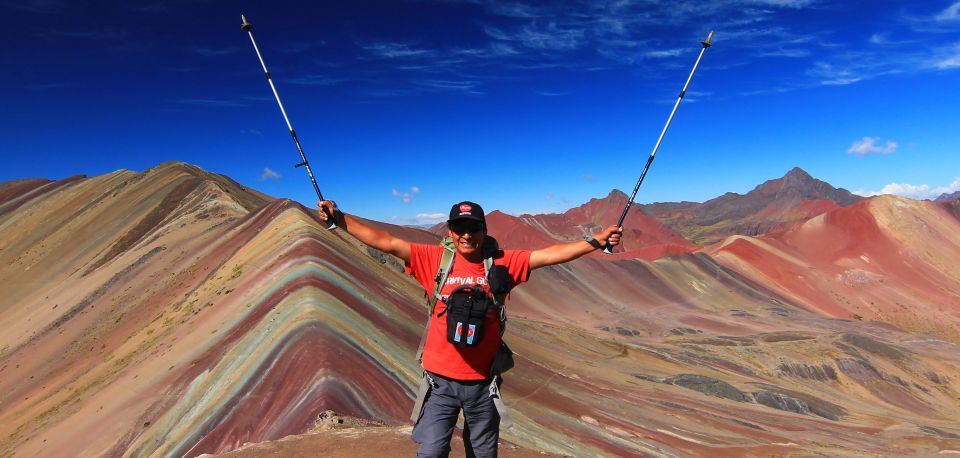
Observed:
{"x":459,"y":376}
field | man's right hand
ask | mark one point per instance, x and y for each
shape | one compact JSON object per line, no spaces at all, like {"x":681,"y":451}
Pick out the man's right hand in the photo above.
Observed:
{"x":329,"y":213}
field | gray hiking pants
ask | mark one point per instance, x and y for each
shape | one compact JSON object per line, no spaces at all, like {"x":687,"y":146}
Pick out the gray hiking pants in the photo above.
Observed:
{"x":481,"y":428}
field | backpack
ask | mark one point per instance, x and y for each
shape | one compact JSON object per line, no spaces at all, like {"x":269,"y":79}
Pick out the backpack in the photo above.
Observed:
{"x":503,"y":360}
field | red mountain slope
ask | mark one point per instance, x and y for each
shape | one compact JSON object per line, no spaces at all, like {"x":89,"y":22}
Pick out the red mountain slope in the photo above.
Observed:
{"x":888,"y":259}
{"x":644,"y":237}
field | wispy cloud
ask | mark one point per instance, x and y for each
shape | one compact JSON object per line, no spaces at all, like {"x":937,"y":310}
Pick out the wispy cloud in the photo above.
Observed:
{"x":913,"y":191}
{"x":314,"y":80}
{"x":552,"y":94}
{"x":588,"y":177}
{"x":883,"y":39}
{"x":392,"y":50}
{"x":785,"y":53}
{"x":786,"y":3}
{"x":39,"y":6}
{"x":251,"y":132}
{"x":551,"y":36}
{"x":223,"y":103}
{"x":269,"y":174}
{"x":952,"y":13}
{"x":664,"y":53}
{"x":237,"y":101}
{"x":406,"y":197}
{"x":151,"y":8}
{"x":949,"y":58}
{"x":868,"y":145}
{"x":303,"y":46}
{"x":466,"y":87}
{"x":832,"y":75}
{"x":46,"y":86}
{"x":216,"y":52}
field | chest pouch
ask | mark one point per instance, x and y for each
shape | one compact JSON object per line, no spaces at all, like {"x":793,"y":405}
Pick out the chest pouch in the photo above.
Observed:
{"x":466,"y":315}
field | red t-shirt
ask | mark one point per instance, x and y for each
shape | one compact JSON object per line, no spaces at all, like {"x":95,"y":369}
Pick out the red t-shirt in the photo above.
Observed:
{"x":440,"y":356}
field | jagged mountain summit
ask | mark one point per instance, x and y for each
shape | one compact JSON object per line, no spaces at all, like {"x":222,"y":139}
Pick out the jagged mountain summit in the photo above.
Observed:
{"x":172,"y":312}
{"x":774,"y":205}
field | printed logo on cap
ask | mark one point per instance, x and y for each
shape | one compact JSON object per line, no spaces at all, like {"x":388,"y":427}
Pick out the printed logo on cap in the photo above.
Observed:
{"x":465,"y":208}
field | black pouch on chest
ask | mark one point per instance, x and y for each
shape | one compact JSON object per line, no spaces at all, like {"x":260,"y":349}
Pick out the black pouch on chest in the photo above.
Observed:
{"x":466,"y":315}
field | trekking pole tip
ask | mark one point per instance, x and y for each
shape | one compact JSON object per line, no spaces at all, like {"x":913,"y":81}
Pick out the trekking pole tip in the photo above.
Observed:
{"x":246,"y":26}
{"x":706,"y":43}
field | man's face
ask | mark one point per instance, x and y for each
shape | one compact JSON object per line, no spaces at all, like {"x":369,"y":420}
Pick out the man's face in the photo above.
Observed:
{"x":467,"y":236}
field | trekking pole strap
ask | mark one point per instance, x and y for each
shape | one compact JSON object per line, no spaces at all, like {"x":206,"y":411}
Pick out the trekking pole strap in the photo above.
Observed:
{"x":505,"y":420}
{"x":425,"y":383}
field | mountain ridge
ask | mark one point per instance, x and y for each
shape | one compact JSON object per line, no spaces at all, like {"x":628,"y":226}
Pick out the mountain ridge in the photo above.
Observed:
{"x":216,"y":325}
{"x":773,"y":205}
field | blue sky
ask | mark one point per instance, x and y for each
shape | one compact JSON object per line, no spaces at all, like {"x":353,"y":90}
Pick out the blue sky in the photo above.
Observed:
{"x":404,"y":107}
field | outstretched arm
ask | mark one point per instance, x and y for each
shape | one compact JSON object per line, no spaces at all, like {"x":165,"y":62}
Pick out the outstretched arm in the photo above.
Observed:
{"x":372,"y":237}
{"x":564,"y":252}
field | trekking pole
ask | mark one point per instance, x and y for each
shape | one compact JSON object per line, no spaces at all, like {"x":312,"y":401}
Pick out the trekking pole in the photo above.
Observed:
{"x":706,"y":44}
{"x":248,"y":27}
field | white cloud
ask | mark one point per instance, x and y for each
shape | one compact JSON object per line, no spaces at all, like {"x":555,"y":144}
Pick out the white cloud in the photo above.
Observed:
{"x":869,"y":145}
{"x":406,"y":197}
{"x":913,"y":191}
{"x":269,"y":174}
{"x":430,"y":218}
{"x":588,"y":177}
{"x":952,"y":13}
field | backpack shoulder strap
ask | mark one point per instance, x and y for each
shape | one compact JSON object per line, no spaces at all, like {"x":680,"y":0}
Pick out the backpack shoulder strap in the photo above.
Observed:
{"x":443,"y":270}
{"x":491,"y":249}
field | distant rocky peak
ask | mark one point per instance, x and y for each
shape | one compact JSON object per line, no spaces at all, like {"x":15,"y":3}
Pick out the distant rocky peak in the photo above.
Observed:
{"x":797,"y":183}
{"x":948,"y":197}
{"x":800,"y":182}
{"x":797,"y":174}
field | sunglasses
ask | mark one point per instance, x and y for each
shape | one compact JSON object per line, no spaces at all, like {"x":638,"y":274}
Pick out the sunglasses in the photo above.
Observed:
{"x":463,"y":227}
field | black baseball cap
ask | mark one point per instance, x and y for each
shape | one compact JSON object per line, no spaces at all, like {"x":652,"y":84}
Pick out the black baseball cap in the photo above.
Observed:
{"x":467,"y":210}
